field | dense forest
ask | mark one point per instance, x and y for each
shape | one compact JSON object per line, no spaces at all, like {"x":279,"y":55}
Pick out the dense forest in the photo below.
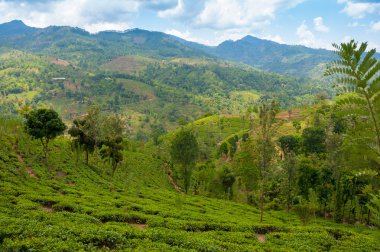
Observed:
{"x":176,"y":150}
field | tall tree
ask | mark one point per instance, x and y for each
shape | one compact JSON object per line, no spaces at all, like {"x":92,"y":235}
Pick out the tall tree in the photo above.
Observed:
{"x":289,"y":145}
{"x":265,"y":146}
{"x":112,"y":150}
{"x":44,"y":124}
{"x":184,"y":151}
{"x":81,"y":131}
{"x":356,"y":71}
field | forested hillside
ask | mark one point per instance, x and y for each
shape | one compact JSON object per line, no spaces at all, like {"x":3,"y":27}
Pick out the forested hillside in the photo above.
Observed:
{"x":140,"y":141}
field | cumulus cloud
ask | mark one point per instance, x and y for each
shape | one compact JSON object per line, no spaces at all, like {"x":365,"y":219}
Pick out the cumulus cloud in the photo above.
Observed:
{"x":118,"y":14}
{"x":319,"y":26}
{"x":232,"y":14}
{"x":375,"y":26}
{"x":306,"y":37}
{"x":360,"y":9}
{"x":93,"y":15}
{"x":276,"y":38}
{"x":375,"y":45}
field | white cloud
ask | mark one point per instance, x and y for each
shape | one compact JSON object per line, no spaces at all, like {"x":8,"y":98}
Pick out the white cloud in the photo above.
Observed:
{"x":95,"y":15}
{"x":232,"y":14}
{"x":106,"y":26}
{"x":353,"y":24}
{"x":276,"y":38}
{"x":226,"y":16}
{"x":346,"y":39}
{"x":319,"y":26}
{"x":360,"y":9}
{"x":306,"y":37}
{"x":174,"y":12}
{"x":375,"y":26}
{"x":375,"y":45}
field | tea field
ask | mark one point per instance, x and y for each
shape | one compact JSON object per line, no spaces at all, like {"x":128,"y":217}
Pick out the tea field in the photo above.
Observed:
{"x":66,"y":205}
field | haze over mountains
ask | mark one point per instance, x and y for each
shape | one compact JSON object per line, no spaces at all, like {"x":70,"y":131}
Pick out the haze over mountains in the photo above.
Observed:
{"x":63,"y":41}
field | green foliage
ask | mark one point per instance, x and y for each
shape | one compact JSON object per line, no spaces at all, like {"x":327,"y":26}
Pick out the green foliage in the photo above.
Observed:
{"x":289,"y":143}
{"x":45,"y":125}
{"x":83,"y":139}
{"x":184,"y":151}
{"x":313,"y":140}
{"x":228,"y":179}
{"x":357,"y":71}
{"x":112,"y":150}
{"x":305,"y":210}
{"x":374,"y":206}
{"x":78,"y":207}
{"x":308,"y":177}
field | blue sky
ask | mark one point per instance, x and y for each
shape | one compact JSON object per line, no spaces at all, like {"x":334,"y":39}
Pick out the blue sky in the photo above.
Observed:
{"x":314,"y":23}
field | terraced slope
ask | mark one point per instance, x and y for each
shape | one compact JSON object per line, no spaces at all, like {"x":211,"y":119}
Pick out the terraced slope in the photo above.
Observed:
{"x":65,"y":205}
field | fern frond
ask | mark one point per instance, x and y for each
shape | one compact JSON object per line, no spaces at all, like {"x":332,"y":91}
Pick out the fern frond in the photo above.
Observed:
{"x":374,"y":86}
{"x":365,"y":63}
{"x":374,"y":71}
{"x":352,"y":100}
{"x":336,"y":69}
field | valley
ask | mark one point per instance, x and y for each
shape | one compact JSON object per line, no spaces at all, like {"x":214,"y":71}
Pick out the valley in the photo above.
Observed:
{"x":143,"y":141}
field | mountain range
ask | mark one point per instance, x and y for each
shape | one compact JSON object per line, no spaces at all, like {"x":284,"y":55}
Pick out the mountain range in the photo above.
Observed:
{"x":65,"y":42}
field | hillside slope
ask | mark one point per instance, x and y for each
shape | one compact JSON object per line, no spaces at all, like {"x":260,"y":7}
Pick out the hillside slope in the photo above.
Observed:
{"x":92,"y":50}
{"x":68,"y":206}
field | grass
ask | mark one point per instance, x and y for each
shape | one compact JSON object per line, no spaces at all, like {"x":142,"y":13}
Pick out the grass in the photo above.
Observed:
{"x":70,"y":206}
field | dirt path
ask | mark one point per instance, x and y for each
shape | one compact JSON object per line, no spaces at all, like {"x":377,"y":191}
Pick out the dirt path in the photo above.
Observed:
{"x":140,"y":226}
{"x":30,"y":171}
{"x":261,"y":238}
{"x":19,"y":158}
{"x":48,"y":209}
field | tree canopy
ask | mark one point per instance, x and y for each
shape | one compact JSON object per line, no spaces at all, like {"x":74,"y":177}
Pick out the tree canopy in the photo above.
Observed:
{"x":44,"y":124}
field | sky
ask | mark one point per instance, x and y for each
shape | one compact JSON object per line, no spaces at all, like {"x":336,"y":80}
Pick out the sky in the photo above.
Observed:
{"x":313,"y":23}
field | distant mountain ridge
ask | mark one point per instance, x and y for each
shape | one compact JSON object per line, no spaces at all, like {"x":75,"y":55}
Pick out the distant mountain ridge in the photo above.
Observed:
{"x":66,"y":42}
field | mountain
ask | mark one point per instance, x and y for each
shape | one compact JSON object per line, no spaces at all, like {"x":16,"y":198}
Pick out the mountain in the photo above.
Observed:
{"x":94,"y":49}
{"x":15,"y":28}
{"x":268,"y":55}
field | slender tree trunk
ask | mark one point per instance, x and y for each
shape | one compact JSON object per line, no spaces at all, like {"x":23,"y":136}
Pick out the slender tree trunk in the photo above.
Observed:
{"x":263,"y":174}
{"x":45,"y":146}
{"x":186,"y":178}
{"x":262,"y":203}
{"x":338,"y":203}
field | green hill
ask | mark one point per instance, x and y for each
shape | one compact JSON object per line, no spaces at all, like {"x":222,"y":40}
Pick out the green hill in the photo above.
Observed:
{"x":66,"y":205}
{"x":145,"y":90}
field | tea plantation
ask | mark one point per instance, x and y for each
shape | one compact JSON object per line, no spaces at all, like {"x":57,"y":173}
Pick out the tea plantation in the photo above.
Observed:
{"x":65,"y":205}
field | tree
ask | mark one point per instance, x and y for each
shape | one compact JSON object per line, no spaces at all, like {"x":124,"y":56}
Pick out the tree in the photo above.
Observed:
{"x":112,"y":150}
{"x":289,"y":145}
{"x":246,"y":167}
{"x":228,"y":179}
{"x":81,"y":130}
{"x":45,"y":125}
{"x":308,"y":176}
{"x":265,"y":146}
{"x":184,"y":151}
{"x":356,"y":71}
{"x":314,"y":140}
